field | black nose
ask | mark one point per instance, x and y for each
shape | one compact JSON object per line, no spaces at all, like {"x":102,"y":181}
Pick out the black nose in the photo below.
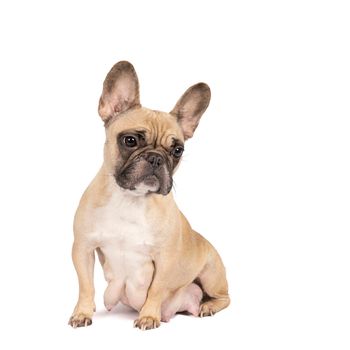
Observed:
{"x":155,"y":159}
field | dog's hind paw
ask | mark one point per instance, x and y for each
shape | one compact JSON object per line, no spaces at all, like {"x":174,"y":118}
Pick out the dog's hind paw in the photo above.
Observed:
{"x":207,"y":309}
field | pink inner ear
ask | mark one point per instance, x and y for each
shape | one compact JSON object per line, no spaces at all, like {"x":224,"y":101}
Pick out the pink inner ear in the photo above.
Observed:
{"x":188,"y":118}
{"x":189,"y":109}
{"x":120,"y":91}
{"x":122,"y":96}
{"x":188,"y":127}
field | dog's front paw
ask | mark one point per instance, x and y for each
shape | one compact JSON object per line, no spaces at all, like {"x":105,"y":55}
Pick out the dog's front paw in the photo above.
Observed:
{"x":80,"y":320}
{"x":81,"y":317}
{"x":147,"y":322}
{"x":82,"y":314}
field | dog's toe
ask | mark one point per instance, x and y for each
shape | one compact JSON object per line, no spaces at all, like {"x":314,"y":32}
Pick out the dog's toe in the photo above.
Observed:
{"x":80,"y":320}
{"x":207,"y":309}
{"x":145,"y":323}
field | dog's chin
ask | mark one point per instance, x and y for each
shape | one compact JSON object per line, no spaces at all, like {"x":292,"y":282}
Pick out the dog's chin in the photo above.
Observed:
{"x":140,"y":177}
{"x":151,"y":181}
{"x":149,"y":184}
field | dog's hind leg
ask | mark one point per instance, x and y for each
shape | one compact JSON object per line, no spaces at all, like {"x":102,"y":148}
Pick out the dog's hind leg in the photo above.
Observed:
{"x":213,"y":282}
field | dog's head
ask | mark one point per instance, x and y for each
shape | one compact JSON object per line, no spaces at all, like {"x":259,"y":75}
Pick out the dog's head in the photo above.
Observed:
{"x":143,"y":147}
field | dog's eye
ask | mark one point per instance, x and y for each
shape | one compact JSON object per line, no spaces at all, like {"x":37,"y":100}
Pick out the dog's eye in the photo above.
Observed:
{"x":130,"y":141}
{"x":177,"y":152}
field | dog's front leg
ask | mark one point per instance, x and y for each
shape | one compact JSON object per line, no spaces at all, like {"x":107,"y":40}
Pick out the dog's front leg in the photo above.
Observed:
{"x":83,"y":259}
{"x":150,"y":313}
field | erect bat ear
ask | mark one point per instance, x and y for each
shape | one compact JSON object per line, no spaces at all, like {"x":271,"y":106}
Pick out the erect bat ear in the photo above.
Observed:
{"x":190,"y":108}
{"x":120,"y":91}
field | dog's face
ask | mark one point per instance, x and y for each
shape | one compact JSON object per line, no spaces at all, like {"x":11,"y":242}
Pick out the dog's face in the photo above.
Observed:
{"x":144,"y":147}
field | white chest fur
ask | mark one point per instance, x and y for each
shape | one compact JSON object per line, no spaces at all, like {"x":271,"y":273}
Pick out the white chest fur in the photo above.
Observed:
{"x":123,"y":233}
{"x":123,"y":220}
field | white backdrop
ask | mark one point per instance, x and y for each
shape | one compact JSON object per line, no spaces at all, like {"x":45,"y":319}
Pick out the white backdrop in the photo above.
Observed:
{"x":265,"y":179}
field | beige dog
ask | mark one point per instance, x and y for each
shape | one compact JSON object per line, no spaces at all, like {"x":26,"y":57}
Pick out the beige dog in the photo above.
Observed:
{"x":152,"y":259}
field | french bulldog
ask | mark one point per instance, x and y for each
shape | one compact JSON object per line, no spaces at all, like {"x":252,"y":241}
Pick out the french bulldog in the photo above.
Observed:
{"x":152,"y":259}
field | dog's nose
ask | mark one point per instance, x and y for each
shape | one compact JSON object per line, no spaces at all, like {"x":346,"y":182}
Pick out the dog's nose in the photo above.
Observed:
{"x":155,"y":159}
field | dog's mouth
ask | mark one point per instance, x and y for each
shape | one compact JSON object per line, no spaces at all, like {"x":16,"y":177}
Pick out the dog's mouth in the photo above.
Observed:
{"x":149,"y":184}
{"x":141,"y":179}
{"x":151,"y":181}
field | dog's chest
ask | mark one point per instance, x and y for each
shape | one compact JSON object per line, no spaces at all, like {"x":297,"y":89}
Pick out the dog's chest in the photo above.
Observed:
{"x":123,"y":220}
{"x":124,"y":235}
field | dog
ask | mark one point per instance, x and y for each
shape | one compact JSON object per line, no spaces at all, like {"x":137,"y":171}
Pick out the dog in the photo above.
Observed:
{"x":152,"y":259}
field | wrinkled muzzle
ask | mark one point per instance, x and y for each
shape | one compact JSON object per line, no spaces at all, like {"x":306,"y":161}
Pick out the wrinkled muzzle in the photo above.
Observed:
{"x":146,"y":173}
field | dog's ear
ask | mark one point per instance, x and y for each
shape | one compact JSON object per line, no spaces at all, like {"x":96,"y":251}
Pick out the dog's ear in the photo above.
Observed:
{"x":190,"y":108}
{"x":120,"y":91}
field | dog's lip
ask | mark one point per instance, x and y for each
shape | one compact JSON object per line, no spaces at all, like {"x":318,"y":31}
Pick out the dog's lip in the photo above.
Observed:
{"x":153,"y":183}
{"x":151,"y":180}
